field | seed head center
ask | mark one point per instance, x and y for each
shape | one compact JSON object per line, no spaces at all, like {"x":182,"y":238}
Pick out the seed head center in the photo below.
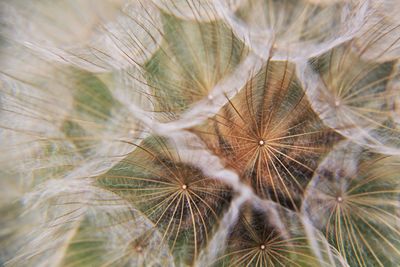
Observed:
{"x":262,"y":247}
{"x":339,"y":199}
{"x":261,"y":142}
{"x":184,"y":187}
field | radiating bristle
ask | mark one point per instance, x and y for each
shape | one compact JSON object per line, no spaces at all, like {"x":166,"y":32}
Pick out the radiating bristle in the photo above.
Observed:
{"x":193,"y":59}
{"x":353,"y":199}
{"x":296,"y":28}
{"x":269,"y":134}
{"x":183,"y":204}
{"x":355,"y":96}
{"x":258,"y":240}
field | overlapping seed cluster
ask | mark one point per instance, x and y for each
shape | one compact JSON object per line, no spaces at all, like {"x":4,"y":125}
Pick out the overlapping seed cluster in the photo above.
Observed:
{"x":200,"y":133}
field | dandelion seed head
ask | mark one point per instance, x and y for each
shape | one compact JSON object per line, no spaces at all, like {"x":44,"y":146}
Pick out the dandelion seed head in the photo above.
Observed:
{"x":199,"y":133}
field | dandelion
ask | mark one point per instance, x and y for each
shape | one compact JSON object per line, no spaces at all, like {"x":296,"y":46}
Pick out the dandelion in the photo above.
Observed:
{"x":194,"y":58}
{"x":256,"y":240}
{"x":353,"y":198}
{"x":183,"y":203}
{"x":270,"y":135}
{"x":296,"y":28}
{"x":199,"y":133}
{"x":356,"y":97}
